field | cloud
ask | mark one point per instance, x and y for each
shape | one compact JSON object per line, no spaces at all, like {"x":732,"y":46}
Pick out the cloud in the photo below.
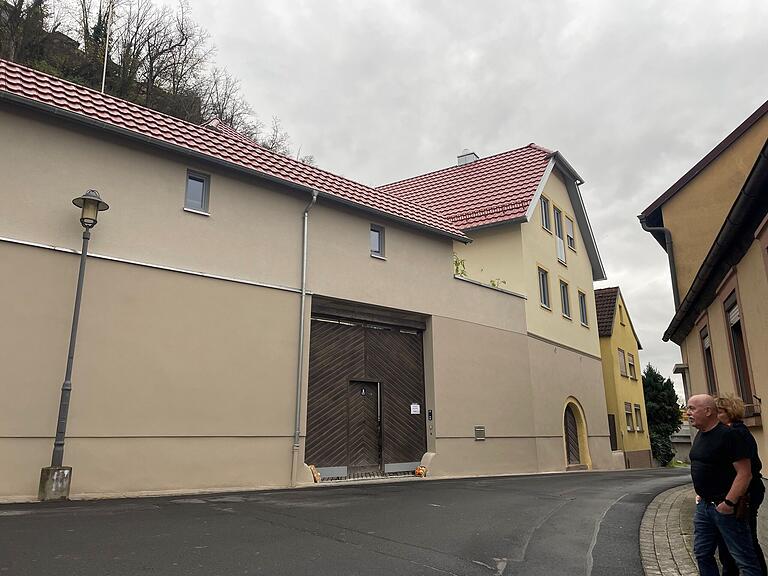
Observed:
{"x":632,"y":93}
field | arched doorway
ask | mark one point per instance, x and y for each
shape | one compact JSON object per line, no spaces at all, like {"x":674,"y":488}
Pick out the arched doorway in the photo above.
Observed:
{"x":575,"y":437}
{"x":572,"y":451}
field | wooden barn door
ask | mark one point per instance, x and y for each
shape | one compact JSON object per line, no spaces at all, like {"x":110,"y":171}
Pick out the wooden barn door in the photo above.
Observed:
{"x":364,"y":430}
{"x":365,"y":400}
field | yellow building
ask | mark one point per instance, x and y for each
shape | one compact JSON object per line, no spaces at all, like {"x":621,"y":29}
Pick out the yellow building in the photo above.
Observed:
{"x":531,"y":236}
{"x":619,"y":348}
{"x":713,"y":223}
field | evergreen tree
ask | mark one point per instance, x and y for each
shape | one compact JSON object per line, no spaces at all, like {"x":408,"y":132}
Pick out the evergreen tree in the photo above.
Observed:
{"x":663,"y":413}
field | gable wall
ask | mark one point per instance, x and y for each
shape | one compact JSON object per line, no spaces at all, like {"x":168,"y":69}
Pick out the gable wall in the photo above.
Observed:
{"x":540,"y":250}
{"x":696,"y":213}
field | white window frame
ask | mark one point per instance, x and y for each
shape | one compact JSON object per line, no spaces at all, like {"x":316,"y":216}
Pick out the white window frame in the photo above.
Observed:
{"x":205,"y":200}
{"x":544,"y":296}
{"x":570,"y":233}
{"x":546,"y":222}
{"x":638,"y":418}
{"x":559,"y":239}
{"x":583,"y":316}
{"x":631,"y":366}
{"x":378,"y":229}
{"x":628,"y":417}
{"x":565,"y":299}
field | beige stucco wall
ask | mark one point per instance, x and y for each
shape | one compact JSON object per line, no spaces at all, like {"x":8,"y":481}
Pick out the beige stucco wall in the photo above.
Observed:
{"x":540,"y":250}
{"x":620,"y":389}
{"x":752,"y":278}
{"x":696,"y":213}
{"x":172,"y":364}
{"x":173,"y":382}
{"x":557,"y":374}
{"x":481,"y":379}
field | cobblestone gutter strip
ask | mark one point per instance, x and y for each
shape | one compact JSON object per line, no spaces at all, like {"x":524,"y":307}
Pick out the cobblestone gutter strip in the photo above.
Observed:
{"x":665,"y":538}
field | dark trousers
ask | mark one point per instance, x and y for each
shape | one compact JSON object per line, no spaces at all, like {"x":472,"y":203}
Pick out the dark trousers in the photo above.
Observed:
{"x":709,"y":528}
{"x":729,"y":564}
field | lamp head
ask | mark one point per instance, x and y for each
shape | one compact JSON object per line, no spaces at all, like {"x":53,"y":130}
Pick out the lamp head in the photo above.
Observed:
{"x":90,"y":205}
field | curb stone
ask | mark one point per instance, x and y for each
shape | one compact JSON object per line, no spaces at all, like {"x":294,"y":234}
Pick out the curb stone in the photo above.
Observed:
{"x":666,"y":540}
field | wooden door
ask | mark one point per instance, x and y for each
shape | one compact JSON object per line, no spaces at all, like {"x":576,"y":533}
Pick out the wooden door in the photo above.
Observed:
{"x":364,"y":427}
{"x":571,"y":437}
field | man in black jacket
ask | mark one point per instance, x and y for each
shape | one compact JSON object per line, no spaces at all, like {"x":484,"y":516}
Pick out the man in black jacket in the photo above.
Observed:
{"x":721,"y":472}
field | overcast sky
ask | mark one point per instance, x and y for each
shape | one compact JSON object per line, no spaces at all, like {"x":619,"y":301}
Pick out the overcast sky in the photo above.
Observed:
{"x":631,"y":93}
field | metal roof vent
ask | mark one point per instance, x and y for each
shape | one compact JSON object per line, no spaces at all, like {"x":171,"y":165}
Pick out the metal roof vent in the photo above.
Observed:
{"x":467,"y":157}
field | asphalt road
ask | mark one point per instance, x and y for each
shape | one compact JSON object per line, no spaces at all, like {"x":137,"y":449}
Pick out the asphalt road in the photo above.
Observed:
{"x":583,"y":523}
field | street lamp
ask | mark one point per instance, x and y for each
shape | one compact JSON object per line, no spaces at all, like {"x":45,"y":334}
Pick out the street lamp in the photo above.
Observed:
{"x":56,"y":478}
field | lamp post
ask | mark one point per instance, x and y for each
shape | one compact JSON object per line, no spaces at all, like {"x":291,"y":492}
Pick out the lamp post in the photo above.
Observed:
{"x":56,"y":478}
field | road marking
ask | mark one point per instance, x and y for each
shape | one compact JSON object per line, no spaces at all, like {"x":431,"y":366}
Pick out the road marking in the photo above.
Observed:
{"x":590,"y":558}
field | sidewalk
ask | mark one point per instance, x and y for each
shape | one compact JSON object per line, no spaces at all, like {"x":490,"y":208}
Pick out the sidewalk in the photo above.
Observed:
{"x":666,"y":533}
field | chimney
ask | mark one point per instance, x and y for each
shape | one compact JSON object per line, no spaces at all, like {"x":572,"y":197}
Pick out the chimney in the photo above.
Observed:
{"x":467,"y":157}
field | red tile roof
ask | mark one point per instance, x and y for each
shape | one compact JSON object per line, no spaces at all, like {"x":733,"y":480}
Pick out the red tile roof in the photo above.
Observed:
{"x":605,"y":306}
{"x":487,"y":191}
{"x":40,"y":90}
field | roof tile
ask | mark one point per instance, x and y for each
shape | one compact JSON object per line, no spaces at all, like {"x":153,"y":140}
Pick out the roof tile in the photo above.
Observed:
{"x":487,"y":191}
{"x":605,"y":305}
{"x":219,"y":144}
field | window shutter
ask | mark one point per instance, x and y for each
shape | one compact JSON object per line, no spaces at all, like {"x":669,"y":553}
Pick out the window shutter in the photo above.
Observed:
{"x":733,"y":315}
{"x":707,"y":342}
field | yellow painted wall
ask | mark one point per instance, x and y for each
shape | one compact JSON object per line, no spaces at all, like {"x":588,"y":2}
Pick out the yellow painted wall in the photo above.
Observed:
{"x":514,"y":252}
{"x":619,"y":388}
{"x":540,"y":249}
{"x":496,"y":253}
{"x":696,"y":213}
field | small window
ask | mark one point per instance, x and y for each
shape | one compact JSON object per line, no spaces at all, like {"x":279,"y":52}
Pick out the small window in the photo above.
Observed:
{"x":377,"y":240}
{"x":545,"y":223}
{"x":628,"y":414}
{"x":569,"y":233}
{"x":559,"y":233}
{"x":565,"y":299}
{"x":196,"y":197}
{"x":544,"y":287}
{"x":583,"y":308}
{"x":638,"y":418}
{"x":631,"y":365}
{"x":709,"y":363}
{"x":621,"y":315}
{"x":622,"y":363}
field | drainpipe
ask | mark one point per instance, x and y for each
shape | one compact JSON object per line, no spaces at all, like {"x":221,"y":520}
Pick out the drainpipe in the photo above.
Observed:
{"x":670,"y":257}
{"x":300,"y":369}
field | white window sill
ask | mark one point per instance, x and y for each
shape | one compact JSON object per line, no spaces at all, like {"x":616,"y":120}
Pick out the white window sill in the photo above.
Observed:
{"x":585,"y":325}
{"x":200,"y":212}
{"x":562,"y":262}
{"x":378,"y":257}
{"x":567,"y":317}
{"x":546,"y":307}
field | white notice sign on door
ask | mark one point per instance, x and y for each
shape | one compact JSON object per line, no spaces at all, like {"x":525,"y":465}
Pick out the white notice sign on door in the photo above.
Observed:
{"x":415,"y":409}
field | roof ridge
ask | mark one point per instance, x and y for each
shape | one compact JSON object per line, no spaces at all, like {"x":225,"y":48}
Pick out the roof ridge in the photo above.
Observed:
{"x":102,"y":95}
{"x":114,"y":113}
{"x":475,"y":163}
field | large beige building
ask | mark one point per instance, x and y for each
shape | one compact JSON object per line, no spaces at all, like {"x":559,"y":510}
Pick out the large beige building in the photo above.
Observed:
{"x":713,"y":223}
{"x":195,"y":368}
